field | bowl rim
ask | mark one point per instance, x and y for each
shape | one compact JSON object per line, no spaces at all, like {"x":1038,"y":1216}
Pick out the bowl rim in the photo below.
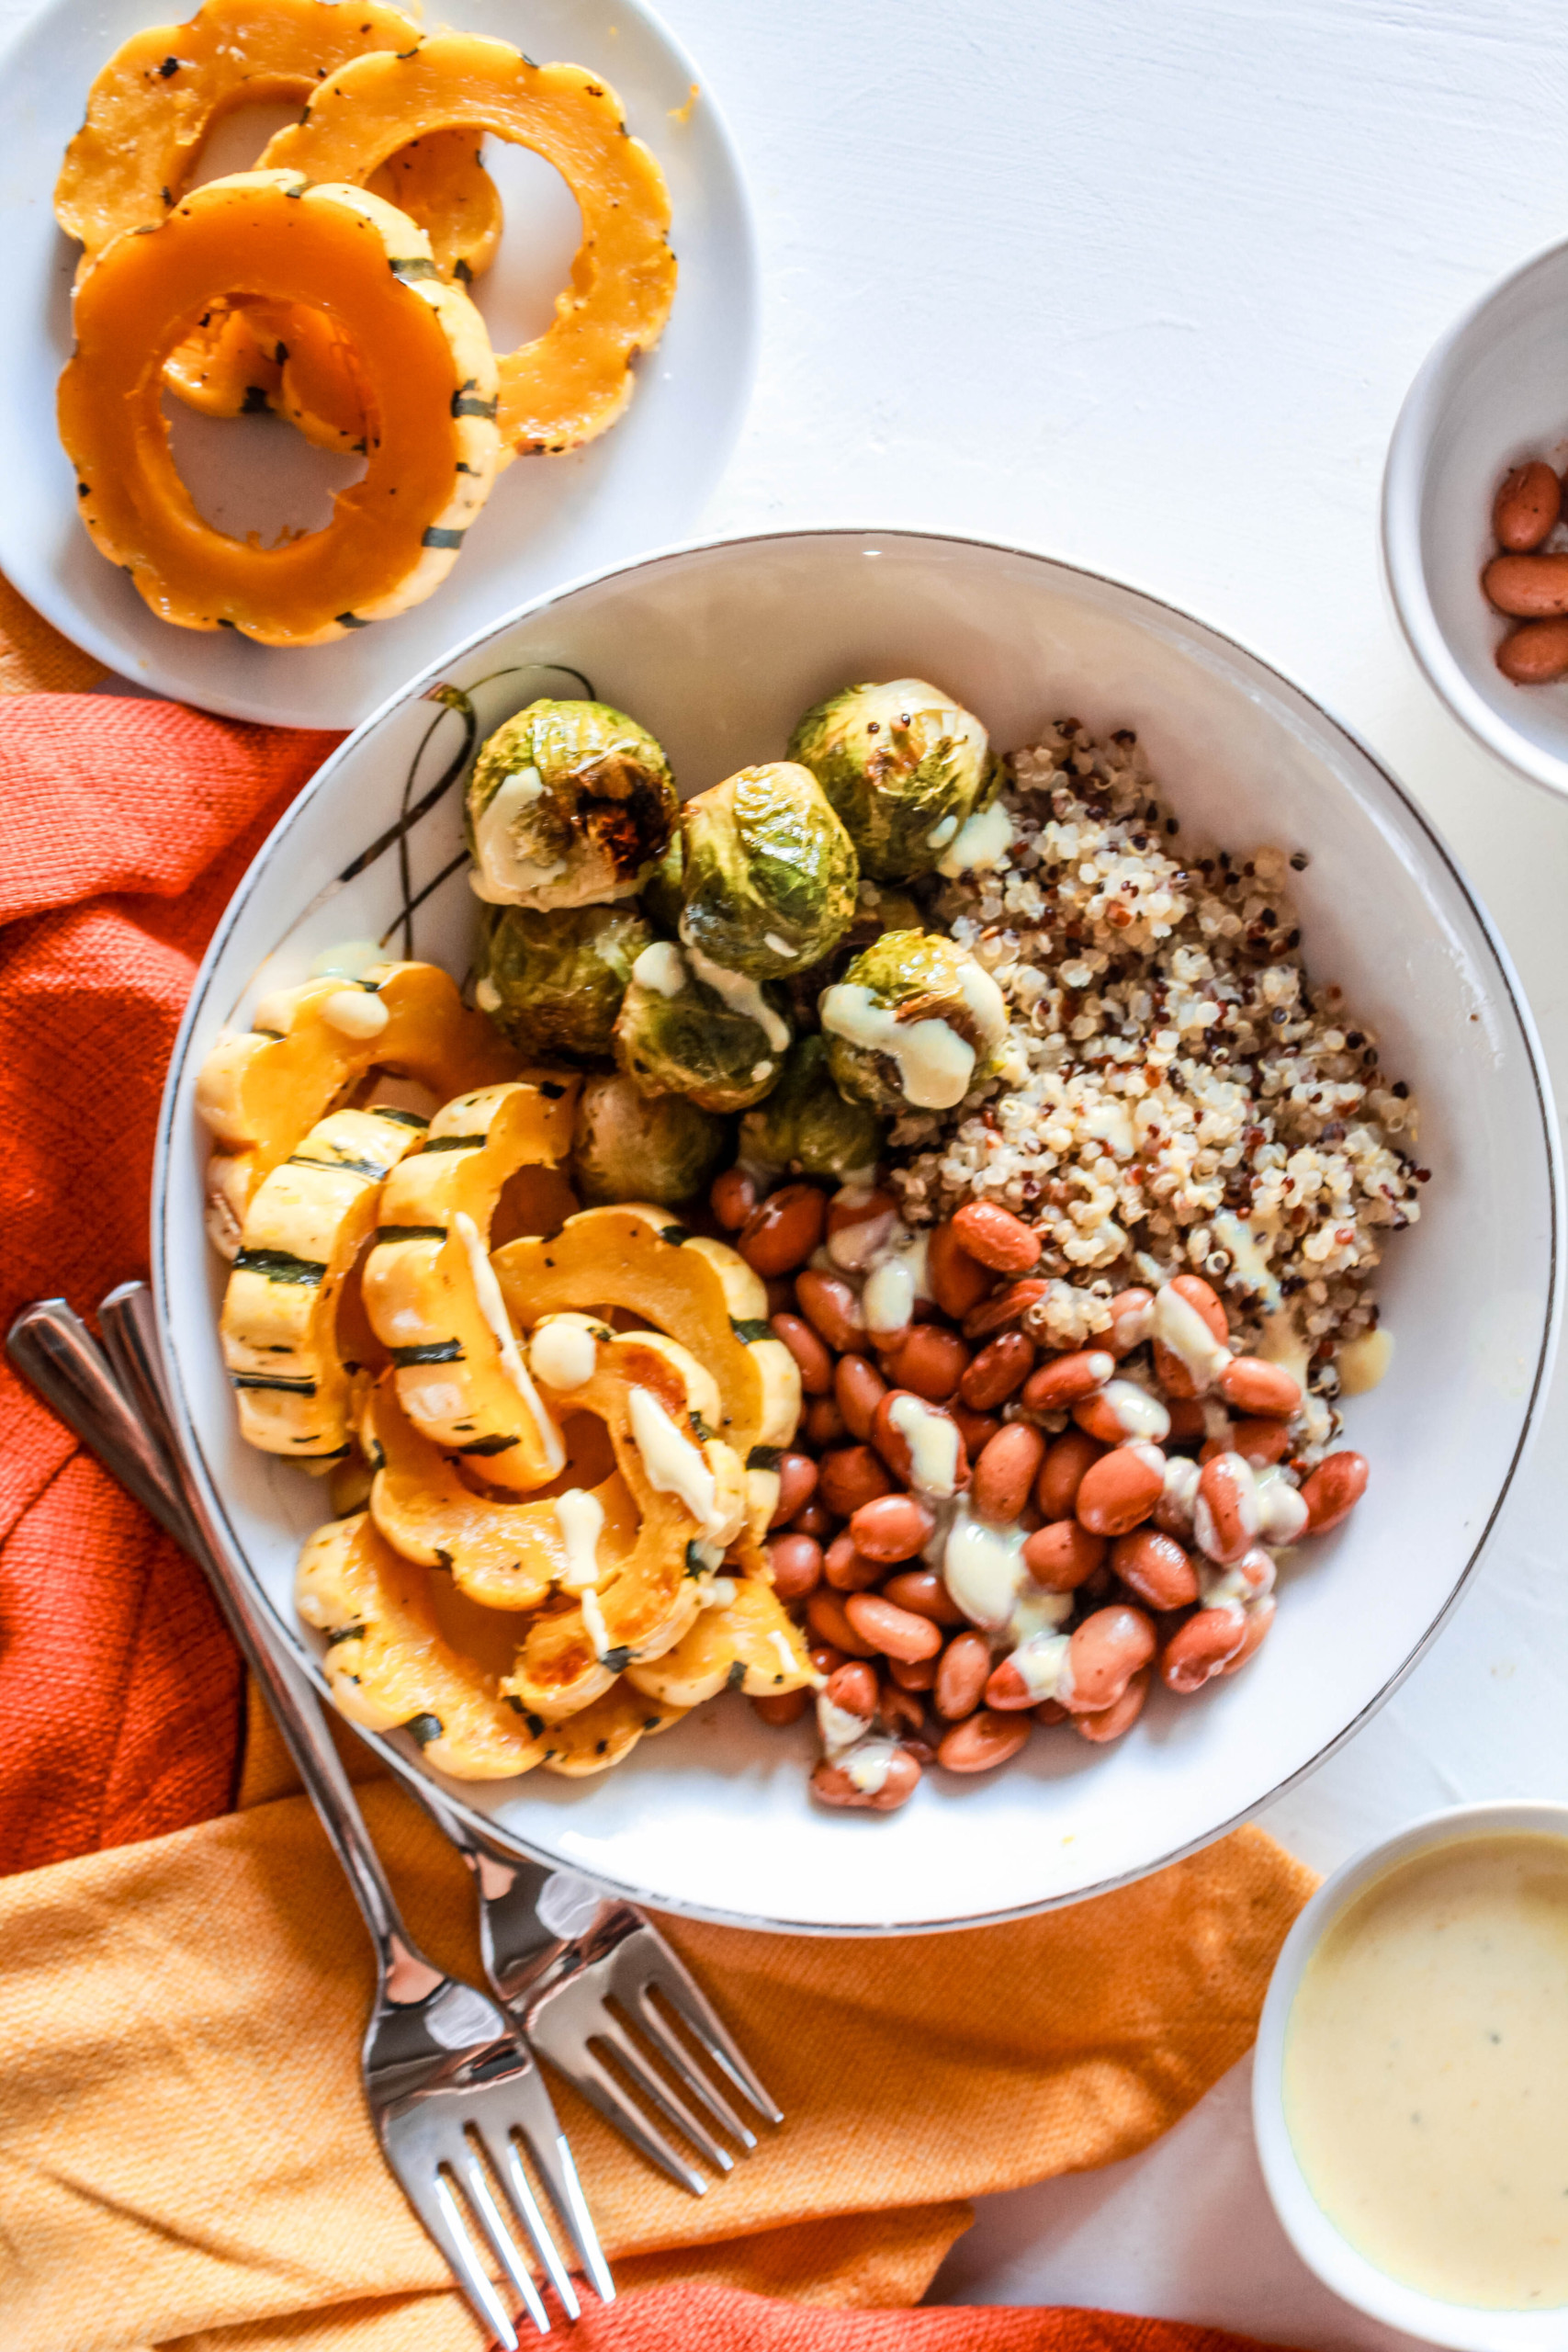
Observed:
{"x":1318,"y":2241}
{"x":1405,"y":576}
{"x":484,"y":1826}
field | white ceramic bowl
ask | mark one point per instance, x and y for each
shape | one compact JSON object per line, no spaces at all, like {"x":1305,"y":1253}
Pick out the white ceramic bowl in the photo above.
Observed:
{"x":1493,"y":392}
{"x":718,"y":649}
{"x":1316,"y":2240}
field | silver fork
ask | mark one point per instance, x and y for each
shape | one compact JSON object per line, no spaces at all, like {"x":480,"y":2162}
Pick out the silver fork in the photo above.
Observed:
{"x":557,"y":1953}
{"x":449,"y":2087}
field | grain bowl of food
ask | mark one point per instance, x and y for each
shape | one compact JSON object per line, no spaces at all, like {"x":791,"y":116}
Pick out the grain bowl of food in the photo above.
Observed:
{"x":900,"y":1217}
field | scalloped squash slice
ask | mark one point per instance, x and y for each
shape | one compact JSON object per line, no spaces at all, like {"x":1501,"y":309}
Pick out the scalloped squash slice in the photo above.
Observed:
{"x":748,"y":1642}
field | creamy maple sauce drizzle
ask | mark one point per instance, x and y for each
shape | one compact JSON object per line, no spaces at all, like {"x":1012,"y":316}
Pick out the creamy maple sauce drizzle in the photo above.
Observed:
{"x":1426,"y":2073}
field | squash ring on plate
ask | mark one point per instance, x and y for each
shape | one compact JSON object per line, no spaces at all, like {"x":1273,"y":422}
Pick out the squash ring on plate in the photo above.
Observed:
{"x":430,"y":378}
{"x":261,"y":1091}
{"x":702,"y":1292}
{"x":656,"y":1402}
{"x":432,"y":1297}
{"x":302,"y":1237}
{"x":748,"y":1642}
{"x":575,"y":379}
{"x":606,"y":1731}
{"x":389,"y":1665}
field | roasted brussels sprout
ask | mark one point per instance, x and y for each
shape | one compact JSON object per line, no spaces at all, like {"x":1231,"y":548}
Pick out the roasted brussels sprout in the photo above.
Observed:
{"x":805,"y":1127}
{"x":770,"y":875}
{"x":634,"y":1147}
{"x":904,"y":768}
{"x":570,"y":803}
{"x":677,"y":1035}
{"x":661,"y":894}
{"x":553,"y":982}
{"x":913,"y":1023}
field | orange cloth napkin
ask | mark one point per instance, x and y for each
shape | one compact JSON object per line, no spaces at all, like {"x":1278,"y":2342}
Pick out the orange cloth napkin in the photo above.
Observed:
{"x":184,"y":2158}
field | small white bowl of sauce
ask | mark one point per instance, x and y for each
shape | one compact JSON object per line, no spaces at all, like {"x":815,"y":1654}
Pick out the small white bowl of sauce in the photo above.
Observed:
{"x":1410,"y":2089}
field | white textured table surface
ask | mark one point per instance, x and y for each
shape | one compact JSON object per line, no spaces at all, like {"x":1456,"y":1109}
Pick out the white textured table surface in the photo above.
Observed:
{"x":1142,"y":284}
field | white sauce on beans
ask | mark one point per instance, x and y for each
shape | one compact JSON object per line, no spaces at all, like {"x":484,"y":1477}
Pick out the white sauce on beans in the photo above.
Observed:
{"x":1035,"y":1611}
{"x":1180,"y":1328}
{"x":493,"y":1306}
{"x":674,"y":1465}
{"x":661,"y":969}
{"x":580,"y":1518}
{"x":563,"y":1353}
{"x":503,"y":873}
{"x":1139,"y":1413}
{"x":836,"y":1727}
{"x":1282,"y":1513}
{"x":1181,"y":1477}
{"x":1041,"y":1665}
{"x":743,"y":994}
{"x":853,"y":1247}
{"x":932,"y":1439}
{"x":868,"y":1766}
{"x":983,"y":1568}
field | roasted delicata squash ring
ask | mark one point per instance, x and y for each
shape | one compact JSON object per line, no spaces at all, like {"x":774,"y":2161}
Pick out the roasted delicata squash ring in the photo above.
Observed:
{"x":261,"y":1091}
{"x":432,"y":1297}
{"x":747,"y":1643}
{"x":388,"y":1663}
{"x":571,"y":383}
{"x":302,"y":1236}
{"x":656,"y":1401}
{"x":702,"y":1292}
{"x":606,"y":1731}
{"x":504,"y":1554}
{"x":430,"y":384}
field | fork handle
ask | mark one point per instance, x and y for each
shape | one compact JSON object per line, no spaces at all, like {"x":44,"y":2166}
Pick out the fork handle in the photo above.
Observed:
{"x":52,"y":1347}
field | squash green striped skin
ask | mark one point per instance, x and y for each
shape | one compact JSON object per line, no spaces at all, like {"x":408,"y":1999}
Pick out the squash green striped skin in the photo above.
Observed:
{"x":302,"y":1236}
{"x":502,"y":1554}
{"x":749,"y":1642}
{"x":389,"y":1664}
{"x":643,"y":1604}
{"x":607,"y":1731}
{"x":428,"y":1287}
{"x":702,"y":1292}
{"x":261,"y":1091}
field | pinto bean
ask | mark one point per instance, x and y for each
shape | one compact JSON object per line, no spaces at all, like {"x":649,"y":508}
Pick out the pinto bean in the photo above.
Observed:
{"x":983,"y":1741}
{"x":1111,"y":1721}
{"x":1188,"y":1418}
{"x":815,"y":1364}
{"x":732,"y":1198}
{"x":1534,"y":654}
{"x":1123,"y":1409}
{"x":1050,"y":1711}
{"x":1065,"y":1379}
{"x":901,"y":1712}
{"x":994,"y":1238}
{"x":1006,"y":1310}
{"x":1063,"y":1555}
{"x":782,"y":1231}
{"x":958,"y":1281}
{"x":831,"y":1309}
{"x":848,"y":1570}
{"x":824,"y":1658}
{"x":850,"y":1476}
{"x":1224,"y":1515}
{"x":858,"y":1226}
{"x":1267,"y":1390}
{"x":1132,"y":1320}
{"x":1155,"y":1569}
{"x":1170,"y":1369}
{"x":931,"y":1361}
{"x":1259,"y":1617}
{"x":923,"y":1591}
{"x":1201,"y":1646}
{"x":853,"y":1687}
{"x":1257,"y":1441}
{"x":894,"y":1527}
{"x":895,"y":1448}
{"x":1173,"y":1512}
{"x":1005,"y":1474}
{"x":1120,"y":1488}
{"x":1529,"y":587}
{"x":812,"y":1520}
{"x":1105,"y":1652}
{"x":825,"y":1615}
{"x":998,"y":1372}
{"x":832,"y":1785}
{"x":1528,"y":503}
{"x":962,"y":1675}
{"x":797,"y":1484}
{"x":977,"y":1430}
{"x":1332,"y":1491}
{"x":913,"y":1673}
{"x":1061,"y":1472}
{"x":783,"y":1706}
{"x":797,"y":1564}
{"x":858,"y":1389}
{"x":897,"y":1633}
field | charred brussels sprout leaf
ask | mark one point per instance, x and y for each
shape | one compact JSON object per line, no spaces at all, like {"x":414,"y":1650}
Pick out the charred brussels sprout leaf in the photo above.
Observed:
{"x":771,"y":875}
{"x":904,"y":768}
{"x":553,"y":983}
{"x":570,"y":803}
{"x":632,"y":1146}
{"x":913,"y":1023}
{"x":805,"y":1127}
{"x":677,"y":1035}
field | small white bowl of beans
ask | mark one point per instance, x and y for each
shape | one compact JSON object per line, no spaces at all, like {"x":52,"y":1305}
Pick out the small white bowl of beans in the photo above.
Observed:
{"x":1474,"y":545}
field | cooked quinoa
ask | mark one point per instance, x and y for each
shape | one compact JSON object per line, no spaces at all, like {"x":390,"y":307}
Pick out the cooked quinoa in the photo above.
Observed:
{"x":1172,"y":1096}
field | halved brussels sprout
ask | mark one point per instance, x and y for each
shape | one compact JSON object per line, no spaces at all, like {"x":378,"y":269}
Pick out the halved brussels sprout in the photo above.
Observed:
{"x":904,"y":768}
{"x":570,"y":803}
{"x":913,"y":1023}
{"x":769,"y":877}
{"x":633,"y":1146}
{"x":553,"y":982}
{"x":805,"y":1127}
{"x":677,"y":1035}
